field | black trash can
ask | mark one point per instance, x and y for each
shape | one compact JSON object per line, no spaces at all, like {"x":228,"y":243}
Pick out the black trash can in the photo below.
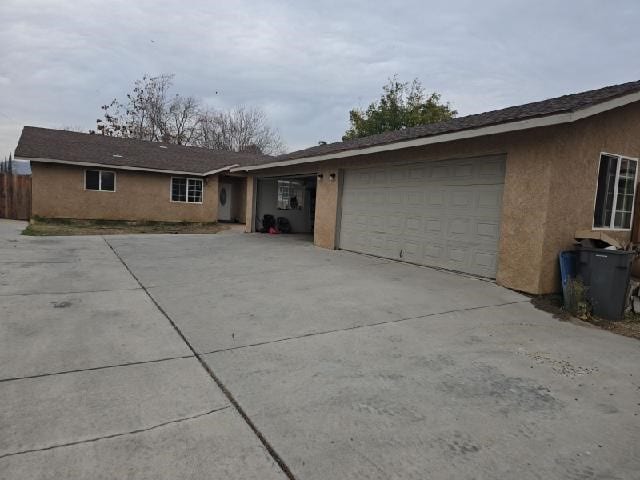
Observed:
{"x":606,"y":275}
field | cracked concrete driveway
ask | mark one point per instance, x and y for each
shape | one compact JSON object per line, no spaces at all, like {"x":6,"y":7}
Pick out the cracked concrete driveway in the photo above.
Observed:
{"x":248,"y":356}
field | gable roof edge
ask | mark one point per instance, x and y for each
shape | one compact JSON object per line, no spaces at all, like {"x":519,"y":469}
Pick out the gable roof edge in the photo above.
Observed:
{"x":127,"y":167}
{"x":533,"y":122}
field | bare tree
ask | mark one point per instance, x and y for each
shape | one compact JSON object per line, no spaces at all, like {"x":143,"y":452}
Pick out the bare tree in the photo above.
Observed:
{"x":183,"y":119}
{"x":72,"y":128}
{"x":239,"y":129}
{"x":149,"y":113}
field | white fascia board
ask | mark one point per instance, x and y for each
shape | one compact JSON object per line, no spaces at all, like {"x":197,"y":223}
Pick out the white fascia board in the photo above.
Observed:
{"x":219,"y":170}
{"x":546,"y":121}
{"x":125,"y":167}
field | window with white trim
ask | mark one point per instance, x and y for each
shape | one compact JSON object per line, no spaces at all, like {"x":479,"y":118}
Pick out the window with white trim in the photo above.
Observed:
{"x":187,"y":190}
{"x":102,"y":180}
{"x":290,"y":195}
{"x":616,"y":192}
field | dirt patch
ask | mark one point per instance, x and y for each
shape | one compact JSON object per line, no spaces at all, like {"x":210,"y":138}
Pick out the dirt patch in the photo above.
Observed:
{"x":629,"y":326}
{"x":51,"y":227}
{"x":552,"y":304}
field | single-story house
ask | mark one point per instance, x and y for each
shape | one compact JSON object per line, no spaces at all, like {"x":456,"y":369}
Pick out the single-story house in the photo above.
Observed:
{"x":83,"y":176}
{"x":497,"y":194}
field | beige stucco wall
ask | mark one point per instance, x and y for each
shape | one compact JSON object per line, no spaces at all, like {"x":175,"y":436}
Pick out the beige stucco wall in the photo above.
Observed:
{"x":327,"y":207}
{"x":250,"y":190}
{"x":574,"y":179}
{"x":58,"y":192}
{"x":550,"y":184}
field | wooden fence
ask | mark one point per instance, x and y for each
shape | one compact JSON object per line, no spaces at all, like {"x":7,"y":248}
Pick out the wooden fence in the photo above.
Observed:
{"x":15,"y":196}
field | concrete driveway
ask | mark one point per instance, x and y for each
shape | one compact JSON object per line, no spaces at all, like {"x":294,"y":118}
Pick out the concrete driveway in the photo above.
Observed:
{"x":248,"y":356}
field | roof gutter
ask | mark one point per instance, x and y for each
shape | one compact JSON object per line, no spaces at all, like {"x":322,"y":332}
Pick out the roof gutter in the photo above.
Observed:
{"x":555,"y":119}
{"x":126,"y":167}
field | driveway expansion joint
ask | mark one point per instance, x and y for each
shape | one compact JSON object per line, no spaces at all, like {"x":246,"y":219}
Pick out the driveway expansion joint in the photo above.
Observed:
{"x":265,"y":443}
{"x":91,"y":369}
{"x":115,"y":435}
{"x":75,"y":292}
{"x":357,"y":327}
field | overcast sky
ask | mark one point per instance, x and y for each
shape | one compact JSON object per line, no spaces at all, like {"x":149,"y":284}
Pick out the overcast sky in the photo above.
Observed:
{"x":305,"y":63}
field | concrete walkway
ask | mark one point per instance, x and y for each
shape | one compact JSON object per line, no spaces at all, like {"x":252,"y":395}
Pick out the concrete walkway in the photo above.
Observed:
{"x":257,"y":356}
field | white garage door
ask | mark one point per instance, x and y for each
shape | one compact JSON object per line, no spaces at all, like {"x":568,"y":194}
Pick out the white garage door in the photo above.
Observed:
{"x":444,"y":214}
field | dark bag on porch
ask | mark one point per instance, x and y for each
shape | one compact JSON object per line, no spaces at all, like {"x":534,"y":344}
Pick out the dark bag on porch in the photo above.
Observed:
{"x":268,"y":221}
{"x":284,"y":225}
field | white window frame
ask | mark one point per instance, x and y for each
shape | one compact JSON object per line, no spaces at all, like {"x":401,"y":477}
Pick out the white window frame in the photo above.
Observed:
{"x":292,"y":186}
{"x":201,"y":180}
{"x":615,"y":194}
{"x":100,"y":180}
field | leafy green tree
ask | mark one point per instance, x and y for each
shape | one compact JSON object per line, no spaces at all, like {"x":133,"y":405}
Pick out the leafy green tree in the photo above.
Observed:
{"x":401,"y":105}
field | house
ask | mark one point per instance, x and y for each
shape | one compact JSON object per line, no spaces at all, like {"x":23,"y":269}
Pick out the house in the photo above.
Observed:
{"x":83,"y":176}
{"x":497,"y":194}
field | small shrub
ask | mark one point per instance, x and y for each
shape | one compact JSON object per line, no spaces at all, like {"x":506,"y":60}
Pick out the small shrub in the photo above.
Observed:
{"x":577,"y":303}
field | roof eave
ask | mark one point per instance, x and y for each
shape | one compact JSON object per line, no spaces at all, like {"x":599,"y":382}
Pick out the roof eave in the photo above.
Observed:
{"x":544,"y":121}
{"x":127,"y":167}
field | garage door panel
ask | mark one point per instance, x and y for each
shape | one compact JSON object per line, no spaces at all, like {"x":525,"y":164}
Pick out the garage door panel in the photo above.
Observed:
{"x":445,"y":214}
{"x":459,"y":228}
{"x":487,"y":231}
{"x":457,"y":255}
{"x":433,"y":253}
{"x":413,"y":225}
{"x":461,"y":197}
{"x":489,"y":200}
{"x":412,"y":249}
{"x":398,"y":176}
{"x":435,"y":197}
{"x":484,"y":260}
{"x":377,"y":224}
{"x":394,"y":247}
{"x":380,"y":178}
{"x":464,"y":171}
{"x":416,"y":174}
{"x":395,"y":198}
{"x":395,"y":222}
{"x":493,"y":168}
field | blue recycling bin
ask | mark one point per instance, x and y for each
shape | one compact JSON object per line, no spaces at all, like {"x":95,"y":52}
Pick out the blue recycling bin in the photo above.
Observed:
{"x":568,"y":260}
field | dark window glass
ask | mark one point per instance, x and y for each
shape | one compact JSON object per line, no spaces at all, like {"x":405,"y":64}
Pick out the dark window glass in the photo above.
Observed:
{"x":179,"y":189}
{"x":614,"y":206}
{"x":92,"y":180}
{"x":107,"y":181}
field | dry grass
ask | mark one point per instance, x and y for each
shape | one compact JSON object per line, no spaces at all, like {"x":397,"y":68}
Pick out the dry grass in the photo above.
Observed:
{"x":52,"y":227}
{"x":629,"y":326}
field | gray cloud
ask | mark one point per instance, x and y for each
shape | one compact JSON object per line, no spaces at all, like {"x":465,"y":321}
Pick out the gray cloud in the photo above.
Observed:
{"x":305,"y":63}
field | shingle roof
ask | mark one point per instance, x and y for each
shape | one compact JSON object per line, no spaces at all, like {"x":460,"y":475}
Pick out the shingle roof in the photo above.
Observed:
{"x":553,"y":106}
{"x":123,"y":152}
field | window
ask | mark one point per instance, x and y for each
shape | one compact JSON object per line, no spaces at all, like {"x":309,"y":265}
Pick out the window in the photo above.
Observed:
{"x":187,"y":190}
{"x":616,"y":192}
{"x":102,"y":180}
{"x":290,"y":195}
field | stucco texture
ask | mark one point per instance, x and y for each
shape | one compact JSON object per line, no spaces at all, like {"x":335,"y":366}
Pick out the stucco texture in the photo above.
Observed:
{"x":550,"y":184}
{"x":58,"y":192}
